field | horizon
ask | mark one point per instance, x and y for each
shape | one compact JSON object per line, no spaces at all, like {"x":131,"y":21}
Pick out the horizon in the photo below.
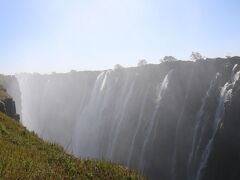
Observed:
{"x":113,"y":68}
{"x":59,"y":36}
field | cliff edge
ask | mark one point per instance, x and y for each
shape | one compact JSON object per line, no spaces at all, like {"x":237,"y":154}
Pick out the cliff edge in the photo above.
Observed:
{"x":7,"y":105}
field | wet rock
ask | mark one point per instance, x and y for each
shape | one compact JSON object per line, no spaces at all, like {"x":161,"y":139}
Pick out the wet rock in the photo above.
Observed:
{"x":7,"y":105}
{"x":2,"y":107}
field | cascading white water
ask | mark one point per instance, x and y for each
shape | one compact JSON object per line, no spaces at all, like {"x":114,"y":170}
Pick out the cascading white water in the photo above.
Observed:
{"x":153,"y":120}
{"x":225,"y":95}
{"x":198,"y":125}
{"x":119,"y":120}
{"x":140,"y":117}
{"x":48,"y":107}
{"x":90,"y":122}
{"x":179,"y":119}
{"x":83,"y":140}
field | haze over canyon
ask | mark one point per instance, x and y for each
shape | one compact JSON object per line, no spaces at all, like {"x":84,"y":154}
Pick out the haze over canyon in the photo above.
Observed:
{"x":174,"y":120}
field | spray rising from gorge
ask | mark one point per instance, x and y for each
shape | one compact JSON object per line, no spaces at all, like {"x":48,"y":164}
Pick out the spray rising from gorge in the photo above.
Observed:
{"x":167,"y":121}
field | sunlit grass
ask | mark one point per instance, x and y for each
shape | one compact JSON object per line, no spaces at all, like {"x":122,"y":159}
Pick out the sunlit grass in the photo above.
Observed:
{"x":25,"y":156}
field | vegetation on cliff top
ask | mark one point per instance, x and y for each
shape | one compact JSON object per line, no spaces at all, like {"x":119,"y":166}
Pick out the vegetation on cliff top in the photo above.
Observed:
{"x":3,"y":93}
{"x":25,"y":156}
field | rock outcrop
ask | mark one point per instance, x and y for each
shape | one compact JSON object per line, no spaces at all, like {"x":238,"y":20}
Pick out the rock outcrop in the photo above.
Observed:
{"x":7,"y":105}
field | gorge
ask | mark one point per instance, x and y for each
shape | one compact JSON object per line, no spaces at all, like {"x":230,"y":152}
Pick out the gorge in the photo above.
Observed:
{"x":175,"y":120}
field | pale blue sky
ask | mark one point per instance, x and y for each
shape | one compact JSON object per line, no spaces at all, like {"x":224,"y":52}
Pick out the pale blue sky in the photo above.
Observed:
{"x":60,"y":35}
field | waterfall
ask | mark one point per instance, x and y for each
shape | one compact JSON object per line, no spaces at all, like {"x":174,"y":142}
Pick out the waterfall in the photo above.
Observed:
{"x":225,"y":95}
{"x":138,"y":127}
{"x":83,"y":139}
{"x":198,"y":126}
{"x":152,"y":118}
{"x":120,"y":119}
{"x":181,"y":113}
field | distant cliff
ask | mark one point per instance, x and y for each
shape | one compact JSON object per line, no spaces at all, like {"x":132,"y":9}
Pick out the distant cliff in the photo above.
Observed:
{"x":174,"y":120}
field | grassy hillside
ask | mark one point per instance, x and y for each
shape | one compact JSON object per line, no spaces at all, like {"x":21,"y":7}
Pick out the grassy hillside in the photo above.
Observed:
{"x":25,"y":156}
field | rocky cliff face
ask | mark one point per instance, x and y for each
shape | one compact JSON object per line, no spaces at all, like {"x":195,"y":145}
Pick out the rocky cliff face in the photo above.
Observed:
{"x":7,"y":105}
{"x":11,"y":86}
{"x":224,"y":159}
{"x":176,"y":120}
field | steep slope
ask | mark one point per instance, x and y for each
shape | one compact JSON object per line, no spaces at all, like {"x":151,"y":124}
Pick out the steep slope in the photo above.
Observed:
{"x":24,"y":156}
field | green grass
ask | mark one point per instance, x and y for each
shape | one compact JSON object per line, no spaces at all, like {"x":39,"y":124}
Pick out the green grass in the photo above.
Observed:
{"x":25,"y":156}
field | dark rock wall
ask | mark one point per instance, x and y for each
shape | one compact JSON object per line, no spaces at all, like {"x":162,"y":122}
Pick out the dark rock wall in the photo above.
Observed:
{"x":11,"y":85}
{"x":224,"y":161}
{"x":2,"y":107}
{"x":10,"y":108}
{"x":170,"y":121}
{"x":7,"y":105}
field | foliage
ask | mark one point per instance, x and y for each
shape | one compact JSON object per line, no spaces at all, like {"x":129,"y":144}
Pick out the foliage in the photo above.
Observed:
{"x":196,"y":56}
{"x":117,"y":67}
{"x":25,"y":156}
{"x":168,"y":59}
{"x":142,"y":62}
{"x":3,"y":93}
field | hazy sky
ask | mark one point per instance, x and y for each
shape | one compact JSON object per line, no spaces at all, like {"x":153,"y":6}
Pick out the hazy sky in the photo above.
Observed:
{"x":60,"y":35}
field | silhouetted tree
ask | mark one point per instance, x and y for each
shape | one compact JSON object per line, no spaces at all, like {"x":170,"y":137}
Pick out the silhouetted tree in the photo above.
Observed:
{"x":168,"y":59}
{"x":73,"y":71}
{"x":142,"y":62}
{"x":117,"y":66}
{"x":196,"y":56}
